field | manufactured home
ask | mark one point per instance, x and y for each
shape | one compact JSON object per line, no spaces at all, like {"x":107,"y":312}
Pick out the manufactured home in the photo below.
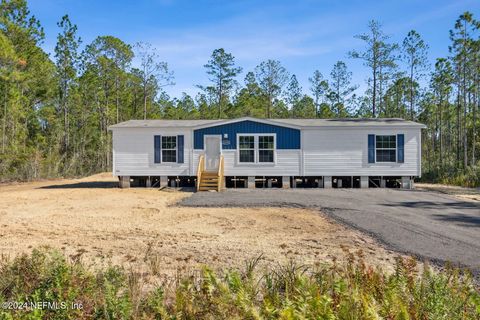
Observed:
{"x":260,"y":153}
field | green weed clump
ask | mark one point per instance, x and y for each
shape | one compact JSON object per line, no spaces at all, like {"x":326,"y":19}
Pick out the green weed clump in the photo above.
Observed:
{"x":349,"y":290}
{"x":468,"y":177}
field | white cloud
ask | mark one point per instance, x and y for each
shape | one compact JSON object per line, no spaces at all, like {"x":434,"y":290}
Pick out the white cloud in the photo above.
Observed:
{"x":251,"y":38}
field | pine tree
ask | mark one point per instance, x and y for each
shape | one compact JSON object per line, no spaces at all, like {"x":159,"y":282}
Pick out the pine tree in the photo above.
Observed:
{"x":153,"y":72}
{"x":341,"y":88}
{"x":67,"y":61}
{"x":272,"y":77}
{"x":415,"y":52}
{"x":293,"y":93}
{"x":222,"y":71}
{"x":319,"y":88}
{"x":379,"y":56}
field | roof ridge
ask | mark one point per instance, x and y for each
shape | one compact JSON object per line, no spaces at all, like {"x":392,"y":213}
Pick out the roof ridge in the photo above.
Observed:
{"x":295,"y":122}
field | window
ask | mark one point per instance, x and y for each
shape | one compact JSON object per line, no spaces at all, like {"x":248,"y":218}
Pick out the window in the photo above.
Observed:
{"x":265,"y":148}
{"x":386,"y":148}
{"x":256,"y":148}
{"x":169,"y":148}
{"x":246,"y":145}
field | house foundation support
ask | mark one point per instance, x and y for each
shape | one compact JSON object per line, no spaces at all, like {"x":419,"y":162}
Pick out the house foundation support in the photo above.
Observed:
{"x":251,"y":183}
{"x":124,"y":182}
{"x":363,"y":182}
{"x":320,"y":182}
{"x":407,"y":183}
{"x":327,"y":182}
{"x":383,"y":182}
{"x":163,"y":181}
{"x":285,"y":182}
{"x":148,"y":182}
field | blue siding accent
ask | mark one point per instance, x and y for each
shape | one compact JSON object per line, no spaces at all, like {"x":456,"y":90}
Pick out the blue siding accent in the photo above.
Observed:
{"x":287,"y":138}
{"x":400,"y":148}
{"x":157,"y":145}
{"x":371,"y":148}
{"x":180,"y":152}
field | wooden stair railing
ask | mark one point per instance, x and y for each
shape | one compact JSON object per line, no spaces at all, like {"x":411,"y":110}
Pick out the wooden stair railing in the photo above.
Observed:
{"x":209,"y":180}
{"x":201,"y":166}
{"x":220,"y":174}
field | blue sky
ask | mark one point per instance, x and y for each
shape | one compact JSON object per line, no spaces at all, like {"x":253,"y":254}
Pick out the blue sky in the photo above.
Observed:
{"x":304,"y":34}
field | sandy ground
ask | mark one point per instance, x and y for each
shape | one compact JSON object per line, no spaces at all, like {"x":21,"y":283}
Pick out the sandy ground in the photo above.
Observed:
{"x":471,"y":194}
{"x":92,"y":220}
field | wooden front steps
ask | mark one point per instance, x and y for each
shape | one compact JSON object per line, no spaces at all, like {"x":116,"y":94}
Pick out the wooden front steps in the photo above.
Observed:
{"x":208,"y":181}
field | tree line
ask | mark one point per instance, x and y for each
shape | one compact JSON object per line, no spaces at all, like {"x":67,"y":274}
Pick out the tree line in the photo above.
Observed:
{"x":56,"y":110}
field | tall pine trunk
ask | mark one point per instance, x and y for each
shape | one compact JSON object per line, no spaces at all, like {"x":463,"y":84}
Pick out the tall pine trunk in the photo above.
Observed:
{"x":474,"y":125}
{"x":411,"y":93}
{"x":465,"y":131}
{"x":144,"y":101}
{"x":117,"y":104}
{"x":459,"y":137}
{"x":374,"y":93}
{"x":65,"y":126}
{"x":4,"y":124}
{"x":269,"y":106}
{"x":440,"y":132}
{"x":464,"y":99}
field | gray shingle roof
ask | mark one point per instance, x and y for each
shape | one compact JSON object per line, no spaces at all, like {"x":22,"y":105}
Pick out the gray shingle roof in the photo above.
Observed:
{"x":162,"y":123}
{"x":347,"y":122}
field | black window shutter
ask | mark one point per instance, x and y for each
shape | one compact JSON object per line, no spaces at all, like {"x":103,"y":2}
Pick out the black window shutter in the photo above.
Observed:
{"x":180,"y":151}
{"x":157,"y":148}
{"x":371,"y":148}
{"x":400,"y":148}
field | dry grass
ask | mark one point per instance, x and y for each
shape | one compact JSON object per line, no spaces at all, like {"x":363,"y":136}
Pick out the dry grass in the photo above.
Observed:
{"x":91,"y":220}
{"x":469,"y":194}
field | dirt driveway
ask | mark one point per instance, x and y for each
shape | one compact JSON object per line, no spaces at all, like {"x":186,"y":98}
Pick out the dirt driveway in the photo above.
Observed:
{"x":427,"y":224}
{"x":93,"y":220}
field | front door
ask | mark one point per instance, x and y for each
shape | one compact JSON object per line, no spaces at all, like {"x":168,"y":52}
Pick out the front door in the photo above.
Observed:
{"x":212,"y":153}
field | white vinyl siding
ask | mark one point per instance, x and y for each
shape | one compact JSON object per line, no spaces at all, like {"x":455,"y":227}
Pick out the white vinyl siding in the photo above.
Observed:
{"x":344,"y":152}
{"x":133,"y":152}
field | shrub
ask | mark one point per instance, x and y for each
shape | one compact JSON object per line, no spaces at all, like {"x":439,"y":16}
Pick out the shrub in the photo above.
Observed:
{"x":469,"y":177}
{"x":350,"y":290}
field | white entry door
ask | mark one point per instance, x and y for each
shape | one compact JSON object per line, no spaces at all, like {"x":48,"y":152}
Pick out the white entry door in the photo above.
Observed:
{"x":212,"y":152}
